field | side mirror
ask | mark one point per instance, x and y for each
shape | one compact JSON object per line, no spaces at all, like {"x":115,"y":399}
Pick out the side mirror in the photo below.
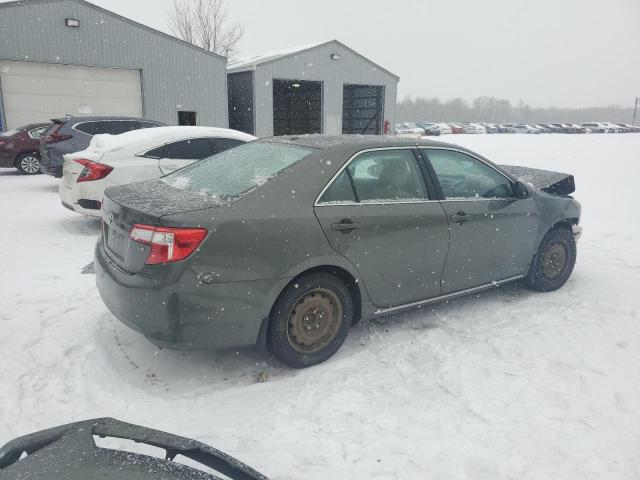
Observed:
{"x":521,"y":190}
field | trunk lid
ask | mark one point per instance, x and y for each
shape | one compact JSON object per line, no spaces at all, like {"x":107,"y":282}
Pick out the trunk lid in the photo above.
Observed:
{"x":554,"y":183}
{"x":141,"y":203}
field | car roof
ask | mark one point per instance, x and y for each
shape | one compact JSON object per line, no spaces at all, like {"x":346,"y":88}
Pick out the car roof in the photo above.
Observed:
{"x":150,"y":137}
{"x":353,"y":142}
{"x":96,"y":118}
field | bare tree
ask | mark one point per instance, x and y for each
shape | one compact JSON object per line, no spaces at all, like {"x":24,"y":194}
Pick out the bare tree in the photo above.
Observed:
{"x":205,"y":23}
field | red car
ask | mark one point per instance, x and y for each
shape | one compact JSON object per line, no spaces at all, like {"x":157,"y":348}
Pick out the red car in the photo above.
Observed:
{"x":20,"y":148}
{"x":456,"y":128}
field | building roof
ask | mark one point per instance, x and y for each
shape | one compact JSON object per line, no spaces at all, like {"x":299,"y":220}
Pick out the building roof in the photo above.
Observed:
{"x":19,"y":3}
{"x":253,"y":61}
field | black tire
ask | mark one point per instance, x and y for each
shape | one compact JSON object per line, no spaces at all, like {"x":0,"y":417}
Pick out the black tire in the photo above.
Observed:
{"x":28,"y":164}
{"x":328,"y":301}
{"x":554,"y":261}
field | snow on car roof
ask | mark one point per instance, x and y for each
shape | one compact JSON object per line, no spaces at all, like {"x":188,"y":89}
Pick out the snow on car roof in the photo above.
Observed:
{"x":150,"y":136}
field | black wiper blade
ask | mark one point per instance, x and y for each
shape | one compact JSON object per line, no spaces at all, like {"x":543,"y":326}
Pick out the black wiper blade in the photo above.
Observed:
{"x":69,"y":452}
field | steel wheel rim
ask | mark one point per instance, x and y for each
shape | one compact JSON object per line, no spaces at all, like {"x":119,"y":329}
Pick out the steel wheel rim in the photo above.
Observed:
{"x":30,"y":164}
{"x":314,"y":321}
{"x":554,"y":260}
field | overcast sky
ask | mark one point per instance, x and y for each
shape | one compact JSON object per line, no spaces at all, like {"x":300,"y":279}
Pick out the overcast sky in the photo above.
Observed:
{"x":571,"y":53}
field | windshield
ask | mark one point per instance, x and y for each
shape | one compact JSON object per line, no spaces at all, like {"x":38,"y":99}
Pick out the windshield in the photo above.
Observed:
{"x":238,"y":170}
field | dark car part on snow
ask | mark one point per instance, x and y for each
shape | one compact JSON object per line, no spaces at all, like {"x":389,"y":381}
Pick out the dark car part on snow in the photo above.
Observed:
{"x":69,"y":452}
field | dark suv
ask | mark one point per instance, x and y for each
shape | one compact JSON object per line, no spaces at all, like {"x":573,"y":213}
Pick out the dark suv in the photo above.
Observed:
{"x":72,"y":134}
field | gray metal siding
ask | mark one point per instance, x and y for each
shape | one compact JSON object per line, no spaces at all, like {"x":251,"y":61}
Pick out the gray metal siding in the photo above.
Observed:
{"x":316,"y":64}
{"x":175,"y":76}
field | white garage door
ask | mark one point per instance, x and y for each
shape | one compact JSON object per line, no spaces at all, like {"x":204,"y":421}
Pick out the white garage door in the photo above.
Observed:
{"x":35,"y":92}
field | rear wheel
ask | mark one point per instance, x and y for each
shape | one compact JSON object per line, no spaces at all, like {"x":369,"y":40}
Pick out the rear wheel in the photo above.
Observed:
{"x":310,"y":320}
{"x":28,"y":164}
{"x":554,"y":262}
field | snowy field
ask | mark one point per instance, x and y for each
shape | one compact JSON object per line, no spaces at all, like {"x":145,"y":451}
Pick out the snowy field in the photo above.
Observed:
{"x":509,"y":384}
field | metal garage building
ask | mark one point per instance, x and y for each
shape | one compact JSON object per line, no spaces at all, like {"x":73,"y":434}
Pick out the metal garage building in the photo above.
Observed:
{"x":62,"y":57}
{"x":320,"y":88}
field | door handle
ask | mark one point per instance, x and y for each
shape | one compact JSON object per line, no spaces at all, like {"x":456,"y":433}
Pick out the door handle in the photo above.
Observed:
{"x":345,"y":226}
{"x":459,"y":218}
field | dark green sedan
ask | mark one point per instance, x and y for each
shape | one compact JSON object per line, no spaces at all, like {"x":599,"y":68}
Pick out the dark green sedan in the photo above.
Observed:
{"x":285,"y":242}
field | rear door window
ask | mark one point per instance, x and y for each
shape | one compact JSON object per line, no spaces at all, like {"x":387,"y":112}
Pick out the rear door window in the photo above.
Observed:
{"x":37,"y":132}
{"x":90,"y":128}
{"x":387,"y":175}
{"x":191,"y":149}
{"x":155,"y":153}
{"x":116,"y":127}
{"x":340,"y":190}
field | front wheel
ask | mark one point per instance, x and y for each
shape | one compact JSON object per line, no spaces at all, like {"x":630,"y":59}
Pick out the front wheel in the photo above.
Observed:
{"x":310,"y":320}
{"x":28,"y":164}
{"x":554,"y":261}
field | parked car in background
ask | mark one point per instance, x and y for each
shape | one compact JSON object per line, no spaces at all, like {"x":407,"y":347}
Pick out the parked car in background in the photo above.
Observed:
{"x":270,"y":243}
{"x":525,"y":129}
{"x":20,"y":148}
{"x":430,"y":129}
{"x":614,"y":127}
{"x":134,"y":156}
{"x":72,"y":134}
{"x":595,"y":127}
{"x":409,"y":128}
{"x":578,"y":128}
{"x":456,"y":128}
{"x":630,"y":128}
{"x":542,"y":128}
{"x":445,"y":129}
{"x":491,"y":127}
{"x":474,"y":128}
{"x":551,"y":128}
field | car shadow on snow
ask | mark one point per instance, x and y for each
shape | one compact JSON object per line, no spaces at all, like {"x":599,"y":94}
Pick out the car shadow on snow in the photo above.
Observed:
{"x":82,"y":225}
{"x":456,"y":314}
{"x":142,"y":363}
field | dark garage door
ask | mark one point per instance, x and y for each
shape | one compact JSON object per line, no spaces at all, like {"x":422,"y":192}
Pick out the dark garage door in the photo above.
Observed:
{"x":362,"y":109}
{"x":297,"y":107}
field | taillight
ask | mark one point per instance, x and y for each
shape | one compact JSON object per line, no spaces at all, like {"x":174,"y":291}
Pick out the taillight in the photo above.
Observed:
{"x":92,"y":170}
{"x":54,"y":136}
{"x":168,"y":244}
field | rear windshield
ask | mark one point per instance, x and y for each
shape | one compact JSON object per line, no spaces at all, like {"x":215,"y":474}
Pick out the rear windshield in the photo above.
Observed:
{"x":236,"y":171}
{"x":9,"y":133}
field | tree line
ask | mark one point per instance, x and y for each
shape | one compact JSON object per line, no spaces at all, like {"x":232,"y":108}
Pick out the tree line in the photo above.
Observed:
{"x":497,"y":110}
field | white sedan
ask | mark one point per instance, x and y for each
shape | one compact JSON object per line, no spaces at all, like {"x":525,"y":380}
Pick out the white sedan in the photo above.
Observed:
{"x":525,"y":129}
{"x":474,"y":128}
{"x":112,"y":160}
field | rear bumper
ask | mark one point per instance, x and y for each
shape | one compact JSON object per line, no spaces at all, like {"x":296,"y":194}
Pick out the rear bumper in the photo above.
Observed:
{"x":71,"y":196}
{"x":176,"y":310}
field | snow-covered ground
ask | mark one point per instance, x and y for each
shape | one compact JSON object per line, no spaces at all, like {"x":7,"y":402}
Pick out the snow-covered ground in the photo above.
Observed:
{"x":509,"y":384}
